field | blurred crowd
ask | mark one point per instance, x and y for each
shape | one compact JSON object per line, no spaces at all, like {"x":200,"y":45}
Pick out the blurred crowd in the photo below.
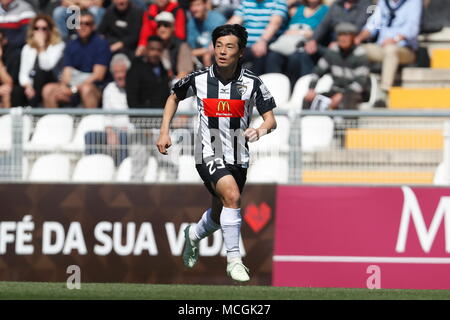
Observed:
{"x":119,"y":54}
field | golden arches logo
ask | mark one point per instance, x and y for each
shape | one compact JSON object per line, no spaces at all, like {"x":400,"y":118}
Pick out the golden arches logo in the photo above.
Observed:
{"x":222,"y":105}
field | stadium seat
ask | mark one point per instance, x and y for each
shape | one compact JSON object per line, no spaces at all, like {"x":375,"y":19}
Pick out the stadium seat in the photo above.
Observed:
{"x":301,"y":87}
{"x":94,"y":168}
{"x":6,"y":131}
{"x":92,"y":122}
{"x":151,"y":174}
{"x":279,"y":86}
{"x":316,"y":133}
{"x":276,"y":141}
{"x":186,"y":169}
{"x":51,"y":168}
{"x":186,"y":104}
{"x":441,"y":175}
{"x":124,"y":171}
{"x":269,"y":169}
{"x":51,"y":133}
{"x":299,"y":92}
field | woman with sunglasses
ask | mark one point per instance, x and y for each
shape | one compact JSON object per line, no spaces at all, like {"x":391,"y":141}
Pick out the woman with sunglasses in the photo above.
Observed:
{"x":40,"y":57}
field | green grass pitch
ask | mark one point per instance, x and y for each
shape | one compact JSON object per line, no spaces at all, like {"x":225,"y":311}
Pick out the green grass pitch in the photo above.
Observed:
{"x":49,"y":291}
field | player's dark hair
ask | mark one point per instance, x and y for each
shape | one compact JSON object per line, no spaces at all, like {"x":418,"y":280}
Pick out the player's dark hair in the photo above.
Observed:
{"x":231,"y":29}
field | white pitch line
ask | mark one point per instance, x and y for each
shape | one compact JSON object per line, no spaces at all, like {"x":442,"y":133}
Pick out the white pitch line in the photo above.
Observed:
{"x":352,"y":259}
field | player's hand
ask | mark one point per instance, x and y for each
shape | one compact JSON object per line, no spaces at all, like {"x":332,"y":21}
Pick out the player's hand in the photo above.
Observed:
{"x":163,"y":143}
{"x":251,"y":135}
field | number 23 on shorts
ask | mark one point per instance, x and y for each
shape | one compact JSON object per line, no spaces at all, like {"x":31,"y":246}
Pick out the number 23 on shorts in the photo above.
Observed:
{"x":215,"y":164}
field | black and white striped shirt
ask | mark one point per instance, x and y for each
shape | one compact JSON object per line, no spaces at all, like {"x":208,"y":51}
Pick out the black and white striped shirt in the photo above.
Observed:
{"x":224,"y":112}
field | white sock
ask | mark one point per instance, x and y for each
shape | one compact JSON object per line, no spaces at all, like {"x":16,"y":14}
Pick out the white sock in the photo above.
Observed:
{"x":230,"y":222}
{"x":204,"y":227}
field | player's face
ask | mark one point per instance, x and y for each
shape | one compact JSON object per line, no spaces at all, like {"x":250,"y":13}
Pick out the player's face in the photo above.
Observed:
{"x":226,"y":51}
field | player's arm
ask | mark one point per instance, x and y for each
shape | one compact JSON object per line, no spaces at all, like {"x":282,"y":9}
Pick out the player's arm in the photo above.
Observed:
{"x":170,"y":108}
{"x":269,"y":124}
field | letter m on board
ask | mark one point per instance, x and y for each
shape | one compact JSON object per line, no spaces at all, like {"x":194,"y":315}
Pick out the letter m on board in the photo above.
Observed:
{"x":411,"y":211}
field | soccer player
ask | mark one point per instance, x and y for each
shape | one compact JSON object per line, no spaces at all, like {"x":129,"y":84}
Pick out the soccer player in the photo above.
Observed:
{"x":226,"y":94}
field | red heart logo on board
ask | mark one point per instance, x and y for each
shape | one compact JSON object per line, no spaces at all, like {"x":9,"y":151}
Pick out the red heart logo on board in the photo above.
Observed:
{"x":258,"y":217}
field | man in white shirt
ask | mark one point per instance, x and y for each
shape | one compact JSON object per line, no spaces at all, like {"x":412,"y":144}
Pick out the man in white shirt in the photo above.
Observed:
{"x":116,"y":126}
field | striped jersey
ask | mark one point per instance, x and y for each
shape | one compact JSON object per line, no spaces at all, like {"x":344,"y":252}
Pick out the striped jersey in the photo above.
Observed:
{"x":224,"y":112}
{"x":256,"y":16}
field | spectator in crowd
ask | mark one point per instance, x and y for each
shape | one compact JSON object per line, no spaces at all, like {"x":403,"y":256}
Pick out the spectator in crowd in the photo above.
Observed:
{"x":14,"y":18}
{"x":147,"y":80}
{"x":264,"y":20}
{"x":114,"y":140}
{"x":6,"y":82}
{"x":86,"y":61}
{"x":396,"y":24}
{"x":225,"y":7}
{"x":149,"y":24}
{"x":349,"y":68}
{"x":353,"y":11}
{"x":287,"y":54}
{"x":177,"y":55}
{"x":63,"y":14}
{"x":121,"y":25}
{"x":40,"y":57}
{"x":201,"y":23}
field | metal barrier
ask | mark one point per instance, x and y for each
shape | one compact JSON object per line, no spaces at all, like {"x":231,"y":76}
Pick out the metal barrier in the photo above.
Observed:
{"x":339,"y":147}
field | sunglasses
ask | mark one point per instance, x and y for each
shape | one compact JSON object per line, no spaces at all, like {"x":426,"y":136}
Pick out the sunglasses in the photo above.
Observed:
{"x":40,"y":28}
{"x":164,"y":24}
{"x":86,"y":23}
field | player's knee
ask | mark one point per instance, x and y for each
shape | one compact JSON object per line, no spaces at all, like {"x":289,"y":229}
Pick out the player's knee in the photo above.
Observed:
{"x":232,"y":199}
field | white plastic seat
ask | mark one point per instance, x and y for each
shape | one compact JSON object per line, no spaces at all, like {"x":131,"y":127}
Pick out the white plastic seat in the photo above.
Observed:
{"x":94,"y":168}
{"x":6,"y":131}
{"x":186,"y":169}
{"x":151,"y":173}
{"x":316,"y":133}
{"x":51,"y":168}
{"x":92,"y":122}
{"x":279,"y":86}
{"x":324,"y":84}
{"x":269,"y":169}
{"x":51,"y":133}
{"x":278,"y":140}
{"x":187,"y":104}
{"x":300,"y":89}
{"x":124,"y":171}
{"x":441,"y":175}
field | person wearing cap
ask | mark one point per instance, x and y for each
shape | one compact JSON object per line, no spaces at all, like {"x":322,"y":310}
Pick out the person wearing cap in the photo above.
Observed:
{"x":177,"y":55}
{"x":349,"y":68}
{"x":149,"y":23}
{"x":396,"y":26}
{"x":352,"y":11}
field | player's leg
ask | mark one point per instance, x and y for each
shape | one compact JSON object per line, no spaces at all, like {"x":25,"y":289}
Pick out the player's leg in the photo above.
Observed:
{"x":230,"y":221}
{"x":206,"y":226}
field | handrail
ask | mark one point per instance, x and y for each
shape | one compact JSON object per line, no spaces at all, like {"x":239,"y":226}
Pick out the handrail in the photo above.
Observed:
{"x":157,"y":112}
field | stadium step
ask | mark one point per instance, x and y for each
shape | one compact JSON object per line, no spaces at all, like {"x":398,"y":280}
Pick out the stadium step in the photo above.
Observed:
{"x":419,"y":98}
{"x":440,"y":58}
{"x":394,"y":139}
{"x":425,"y":78}
{"x":363,"y":157}
{"x":365,"y":177}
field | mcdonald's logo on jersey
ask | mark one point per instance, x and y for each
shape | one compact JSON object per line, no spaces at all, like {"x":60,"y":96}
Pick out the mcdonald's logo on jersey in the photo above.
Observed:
{"x":224,"y":107}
